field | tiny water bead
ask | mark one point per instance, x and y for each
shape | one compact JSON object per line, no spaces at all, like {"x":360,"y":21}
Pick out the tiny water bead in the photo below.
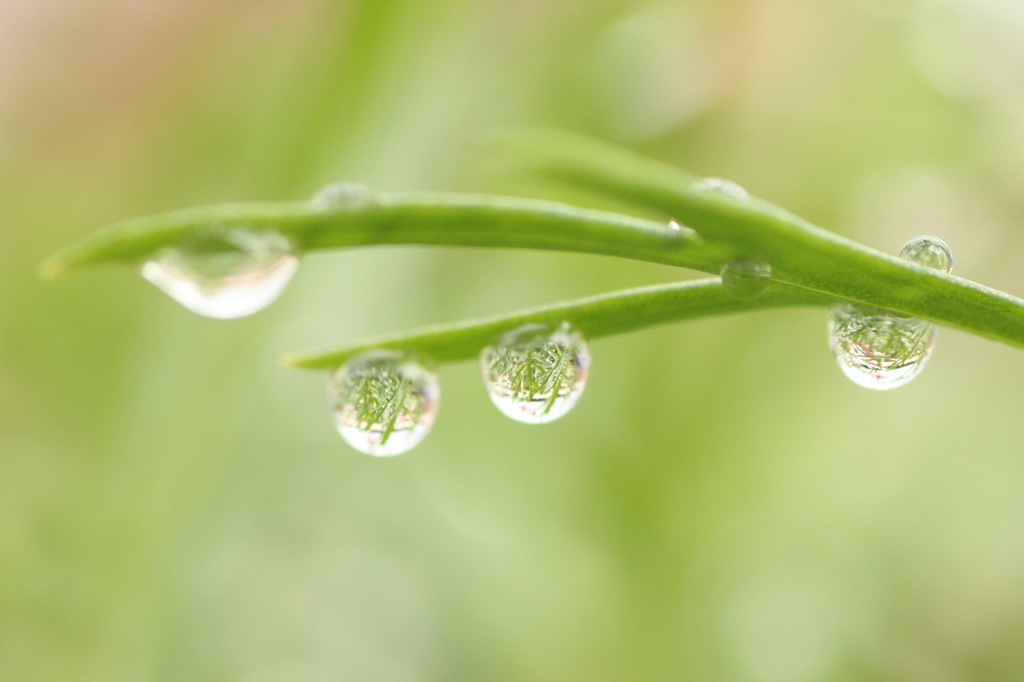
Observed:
{"x":682,"y":232}
{"x":383,"y":402}
{"x":536,"y":373}
{"x":929,"y":251}
{"x":340,"y":194}
{"x":225,"y":274}
{"x":881,"y":349}
{"x":721,"y":186}
{"x":746,"y":278}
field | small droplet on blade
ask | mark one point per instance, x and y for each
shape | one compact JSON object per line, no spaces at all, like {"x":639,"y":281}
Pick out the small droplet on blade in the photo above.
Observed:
{"x":338,"y":195}
{"x":746,"y":278}
{"x":929,"y":251}
{"x":721,"y":186}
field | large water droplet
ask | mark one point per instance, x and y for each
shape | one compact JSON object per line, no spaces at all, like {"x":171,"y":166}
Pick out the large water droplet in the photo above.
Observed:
{"x":383,"y":402}
{"x":881,"y":349}
{"x":721,"y":186}
{"x":746,"y":278}
{"x":929,"y":251}
{"x":536,"y":373}
{"x":227,"y":274}
{"x":339,"y":195}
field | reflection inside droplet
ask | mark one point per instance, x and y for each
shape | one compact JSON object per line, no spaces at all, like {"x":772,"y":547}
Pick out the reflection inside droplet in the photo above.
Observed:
{"x":929,"y":251}
{"x":881,"y":349}
{"x":384,"y":402}
{"x":878,"y":349}
{"x":225,"y":274}
{"x":536,"y":373}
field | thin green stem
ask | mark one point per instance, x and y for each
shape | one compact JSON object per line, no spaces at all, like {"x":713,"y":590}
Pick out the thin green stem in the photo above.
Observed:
{"x":799,"y":253}
{"x":407,"y":218}
{"x":806,"y":261}
{"x":595,"y":317}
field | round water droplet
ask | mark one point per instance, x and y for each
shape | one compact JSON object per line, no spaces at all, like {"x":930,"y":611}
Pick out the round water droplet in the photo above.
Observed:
{"x":746,"y":278}
{"x":536,"y":373}
{"x":721,"y":186}
{"x":879,"y":349}
{"x":227,"y":274}
{"x":383,"y":402}
{"x":339,"y":195}
{"x":929,"y":251}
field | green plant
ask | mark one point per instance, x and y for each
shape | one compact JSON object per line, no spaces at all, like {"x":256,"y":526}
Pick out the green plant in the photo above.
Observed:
{"x":808,"y":265}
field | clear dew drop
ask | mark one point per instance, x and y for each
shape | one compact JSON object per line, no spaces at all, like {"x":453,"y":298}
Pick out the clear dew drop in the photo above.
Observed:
{"x":929,"y":251}
{"x":536,"y":373}
{"x":383,"y":402}
{"x":746,"y":278}
{"x":340,"y":195}
{"x":682,"y":232}
{"x":881,"y":349}
{"x":721,"y":186}
{"x":227,"y":274}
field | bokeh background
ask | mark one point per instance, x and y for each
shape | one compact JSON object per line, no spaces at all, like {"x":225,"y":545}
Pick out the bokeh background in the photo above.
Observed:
{"x":722,"y":504}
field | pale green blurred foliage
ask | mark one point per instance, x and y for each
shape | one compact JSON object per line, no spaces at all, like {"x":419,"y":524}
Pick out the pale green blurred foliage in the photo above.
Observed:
{"x":722,"y":504}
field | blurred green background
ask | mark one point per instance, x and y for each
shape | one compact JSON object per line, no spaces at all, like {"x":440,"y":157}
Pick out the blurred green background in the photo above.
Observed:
{"x":722,"y":505}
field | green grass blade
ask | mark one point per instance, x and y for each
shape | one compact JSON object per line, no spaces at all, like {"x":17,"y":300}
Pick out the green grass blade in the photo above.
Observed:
{"x":406,"y":218}
{"x":800,"y":253}
{"x":594,"y":317}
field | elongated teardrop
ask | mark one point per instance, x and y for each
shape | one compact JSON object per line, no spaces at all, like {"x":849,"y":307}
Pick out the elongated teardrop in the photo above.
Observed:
{"x":227,"y":274}
{"x":384,"y":402}
{"x":536,"y":373}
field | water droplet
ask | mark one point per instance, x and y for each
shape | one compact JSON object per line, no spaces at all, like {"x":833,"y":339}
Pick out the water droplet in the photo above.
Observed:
{"x":226,"y":274}
{"x":536,"y":373}
{"x":384,"y":402}
{"x":339,"y":195}
{"x":746,"y":278}
{"x":881,"y":349}
{"x":682,"y":232}
{"x":722,"y":186}
{"x":929,"y":251}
